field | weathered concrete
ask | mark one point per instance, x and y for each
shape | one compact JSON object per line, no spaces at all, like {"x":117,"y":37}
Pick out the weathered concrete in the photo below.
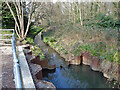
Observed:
{"x":6,"y":68}
{"x":26,"y":75}
{"x":95,"y":64}
{"x":36,"y":70}
{"x":76,"y":61}
{"x":87,"y":58}
{"x":45,"y":85}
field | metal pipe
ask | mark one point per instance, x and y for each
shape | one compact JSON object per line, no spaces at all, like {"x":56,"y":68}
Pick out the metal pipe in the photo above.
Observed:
{"x":16,"y":66}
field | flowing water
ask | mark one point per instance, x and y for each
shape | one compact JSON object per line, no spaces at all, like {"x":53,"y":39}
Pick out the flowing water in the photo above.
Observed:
{"x":73,"y":76}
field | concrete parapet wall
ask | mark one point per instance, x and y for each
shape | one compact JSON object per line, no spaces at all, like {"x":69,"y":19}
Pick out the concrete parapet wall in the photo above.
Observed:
{"x":25,"y":71}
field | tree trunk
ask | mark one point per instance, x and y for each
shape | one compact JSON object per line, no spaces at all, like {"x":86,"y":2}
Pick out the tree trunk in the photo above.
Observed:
{"x":19,"y":18}
{"x":80,"y":14}
{"x":17,"y":31}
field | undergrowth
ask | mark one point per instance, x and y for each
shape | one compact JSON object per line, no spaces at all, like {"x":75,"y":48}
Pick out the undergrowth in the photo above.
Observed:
{"x":73,"y":39}
{"x":30,"y":39}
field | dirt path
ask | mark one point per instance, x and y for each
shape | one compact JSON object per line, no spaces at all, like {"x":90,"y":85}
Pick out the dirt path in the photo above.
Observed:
{"x":6,"y":67}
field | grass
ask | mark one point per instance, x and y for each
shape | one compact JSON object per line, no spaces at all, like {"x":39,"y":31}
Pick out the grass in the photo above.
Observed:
{"x":6,"y":37}
{"x":73,"y":39}
{"x":6,"y":32}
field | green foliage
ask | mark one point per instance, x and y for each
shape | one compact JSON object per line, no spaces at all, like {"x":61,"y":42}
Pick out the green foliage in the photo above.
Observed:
{"x":37,"y":28}
{"x":30,"y":37}
{"x":108,"y":56}
{"x":85,"y":47}
{"x":93,"y":52}
{"x":52,"y":40}
{"x":42,"y":57}
{"x":30,"y":40}
{"x":90,"y":48}
{"x":115,"y":4}
{"x":117,"y":23}
{"x":7,"y":37}
{"x":37,"y":51}
{"x":7,"y":18}
{"x":96,"y":7}
{"x":116,"y":57}
{"x":46,"y":39}
{"x":75,"y":8}
{"x":77,"y":52}
{"x":33,"y":30}
{"x":51,"y":44}
{"x":94,"y":38}
{"x":8,"y":21}
{"x":106,"y":21}
{"x":6,"y":32}
{"x":100,"y":46}
{"x":99,"y":49}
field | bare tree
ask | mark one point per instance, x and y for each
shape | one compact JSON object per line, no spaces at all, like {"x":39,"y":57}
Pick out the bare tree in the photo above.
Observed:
{"x":19,"y":18}
{"x":80,"y":14}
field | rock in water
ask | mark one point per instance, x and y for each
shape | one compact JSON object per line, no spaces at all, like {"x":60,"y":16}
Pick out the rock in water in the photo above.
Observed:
{"x":45,"y":84}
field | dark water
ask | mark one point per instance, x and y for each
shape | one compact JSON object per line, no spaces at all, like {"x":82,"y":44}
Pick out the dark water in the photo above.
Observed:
{"x":73,"y":76}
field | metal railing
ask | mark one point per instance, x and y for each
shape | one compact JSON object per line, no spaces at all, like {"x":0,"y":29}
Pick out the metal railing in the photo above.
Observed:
{"x":5,"y":40}
{"x":16,"y":66}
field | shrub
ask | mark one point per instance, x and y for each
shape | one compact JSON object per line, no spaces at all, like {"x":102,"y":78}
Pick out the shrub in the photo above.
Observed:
{"x":52,"y":40}
{"x":46,"y":39}
{"x":100,"y":46}
{"x":106,"y":21}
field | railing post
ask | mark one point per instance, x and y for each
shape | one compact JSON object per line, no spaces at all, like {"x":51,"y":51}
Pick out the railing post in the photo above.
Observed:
{"x":16,"y":66}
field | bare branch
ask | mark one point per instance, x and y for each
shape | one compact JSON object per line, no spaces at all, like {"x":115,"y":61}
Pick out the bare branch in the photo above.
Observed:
{"x":29,"y":19}
{"x":17,"y":11}
{"x":22,"y":21}
{"x":13,"y":15}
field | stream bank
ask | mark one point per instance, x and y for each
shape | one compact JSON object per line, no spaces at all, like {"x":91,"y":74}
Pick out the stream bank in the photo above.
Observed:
{"x":70,"y":76}
{"x":36,"y":67}
{"x":88,"y":46}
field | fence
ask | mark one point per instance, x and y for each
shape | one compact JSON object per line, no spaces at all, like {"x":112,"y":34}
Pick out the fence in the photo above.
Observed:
{"x":1,"y":37}
{"x":16,"y":66}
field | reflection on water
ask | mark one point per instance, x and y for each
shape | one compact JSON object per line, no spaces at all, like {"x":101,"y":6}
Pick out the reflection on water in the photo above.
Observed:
{"x":45,"y":72}
{"x":64,"y":76}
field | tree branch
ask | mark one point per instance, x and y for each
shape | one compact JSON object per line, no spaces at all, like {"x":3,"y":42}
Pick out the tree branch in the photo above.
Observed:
{"x":29,"y":19}
{"x":17,"y":11}
{"x":13,"y":15}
